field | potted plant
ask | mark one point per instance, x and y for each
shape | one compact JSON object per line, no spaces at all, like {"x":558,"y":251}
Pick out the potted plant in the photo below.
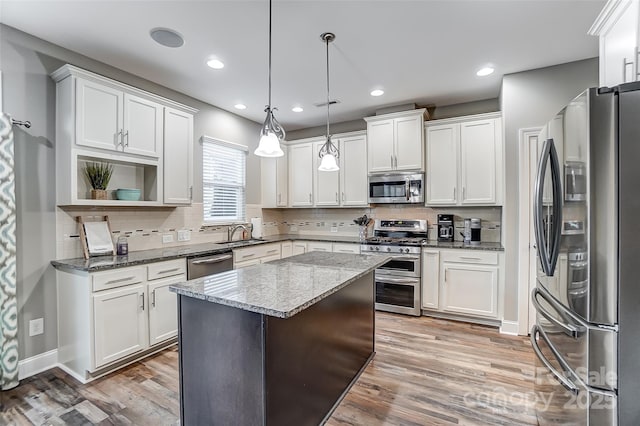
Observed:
{"x":98,"y":175}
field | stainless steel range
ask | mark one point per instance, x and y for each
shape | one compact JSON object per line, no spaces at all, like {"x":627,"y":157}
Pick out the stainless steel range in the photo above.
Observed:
{"x":397,"y":281}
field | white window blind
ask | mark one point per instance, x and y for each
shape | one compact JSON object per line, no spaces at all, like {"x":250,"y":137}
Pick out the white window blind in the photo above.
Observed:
{"x":223,"y":181}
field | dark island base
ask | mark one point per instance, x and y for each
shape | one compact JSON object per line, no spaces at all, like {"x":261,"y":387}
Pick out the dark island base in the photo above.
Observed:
{"x":242,"y":368}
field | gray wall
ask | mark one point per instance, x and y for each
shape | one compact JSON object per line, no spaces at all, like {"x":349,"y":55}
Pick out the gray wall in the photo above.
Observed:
{"x":530,"y":99}
{"x":29,"y":94}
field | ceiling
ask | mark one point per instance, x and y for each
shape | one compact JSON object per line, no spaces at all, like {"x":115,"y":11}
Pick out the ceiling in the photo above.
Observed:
{"x":425,"y":52}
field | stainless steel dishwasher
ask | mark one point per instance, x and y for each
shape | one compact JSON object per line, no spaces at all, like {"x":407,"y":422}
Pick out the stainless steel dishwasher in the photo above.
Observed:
{"x":208,"y":265}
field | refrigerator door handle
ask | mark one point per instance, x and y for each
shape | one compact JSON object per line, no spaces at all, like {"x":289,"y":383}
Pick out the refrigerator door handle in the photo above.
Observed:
{"x":556,"y":223}
{"x":568,"y":329}
{"x":537,"y":211}
{"x":566,"y":383}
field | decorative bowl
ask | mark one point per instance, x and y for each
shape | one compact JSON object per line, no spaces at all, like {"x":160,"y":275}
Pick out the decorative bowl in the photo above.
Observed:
{"x":128,"y":194}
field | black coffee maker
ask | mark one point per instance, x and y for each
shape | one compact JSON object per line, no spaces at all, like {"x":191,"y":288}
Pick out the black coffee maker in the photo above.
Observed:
{"x":445,"y":227}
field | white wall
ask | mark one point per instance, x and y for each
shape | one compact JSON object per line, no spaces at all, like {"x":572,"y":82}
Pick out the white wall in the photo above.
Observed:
{"x":530,"y":99}
{"x":29,"y":94}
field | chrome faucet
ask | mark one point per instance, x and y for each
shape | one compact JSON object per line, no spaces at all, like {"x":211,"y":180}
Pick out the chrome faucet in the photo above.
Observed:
{"x":233,"y":228}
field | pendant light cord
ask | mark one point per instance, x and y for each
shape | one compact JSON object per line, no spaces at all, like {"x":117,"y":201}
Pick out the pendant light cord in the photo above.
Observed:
{"x":269,"y":54}
{"x":328,"y":103}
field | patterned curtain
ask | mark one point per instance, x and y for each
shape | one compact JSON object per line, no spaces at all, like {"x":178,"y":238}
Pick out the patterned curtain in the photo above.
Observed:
{"x":8,"y":302}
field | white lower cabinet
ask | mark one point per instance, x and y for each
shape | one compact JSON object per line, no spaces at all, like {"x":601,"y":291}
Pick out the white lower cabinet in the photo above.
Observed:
{"x":109,"y":316}
{"x":346,"y":248}
{"x":465,"y":282}
{"x":319,"y":246}
{"x":286,"y":249}
{"x":299,"y":247}
{"x":470,"y":289}
{"x":120,"y":323}
{"x":254,"y":255}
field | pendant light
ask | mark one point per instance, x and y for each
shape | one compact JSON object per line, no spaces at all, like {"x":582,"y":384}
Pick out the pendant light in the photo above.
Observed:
{"x":272,"y":132}
{"x":328,"y":152}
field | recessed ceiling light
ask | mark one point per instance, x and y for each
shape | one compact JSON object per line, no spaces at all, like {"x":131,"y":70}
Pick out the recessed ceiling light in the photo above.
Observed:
{"x":166,"y":37}
{"x":215,"y":64}
{"x":297,"y":109}
{"x":484,"y":71}
{"x":240,"y":106}
{"x":377,"y":92}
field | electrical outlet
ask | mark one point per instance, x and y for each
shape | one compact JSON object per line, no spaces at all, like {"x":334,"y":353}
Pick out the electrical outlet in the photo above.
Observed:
{"x":167,"y":238}
{"x":36,"y":327}
{"x":184,"y":235}
{"x":334,"y":229}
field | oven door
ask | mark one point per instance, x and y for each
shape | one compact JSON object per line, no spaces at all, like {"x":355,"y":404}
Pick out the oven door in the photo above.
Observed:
{"x":397,"y":294}
{"x":403,"y":266}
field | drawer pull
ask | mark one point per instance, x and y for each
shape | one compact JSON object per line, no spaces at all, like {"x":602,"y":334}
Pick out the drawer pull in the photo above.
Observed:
{"x":166,"y":271}
{"x":142,"y":301}
{"x":470,"y":258}
{"x":244,"y":256}
{"x":272,"y":251}
{"x":121,"y":280}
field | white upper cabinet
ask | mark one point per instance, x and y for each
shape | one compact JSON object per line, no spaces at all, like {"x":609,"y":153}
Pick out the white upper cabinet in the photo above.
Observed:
{"x":326,"y":184}
{"x":99,"y":115}
{"x":142,"y":130}
{"x":617,"y":29}
{"x":275,"y":180}
{"x":301,"y":175}
{"x":353,"y":170}
{"x":478,"y":162}
{"x":464,"y":161}
{"x":395,"y":141}
{"x":178,"y":154}
{"x":147,"y":139}
{"x":442,"y":160}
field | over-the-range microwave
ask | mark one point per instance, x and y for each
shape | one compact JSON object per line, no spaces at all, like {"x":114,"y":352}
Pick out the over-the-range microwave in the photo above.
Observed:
{"x":396,"y":188}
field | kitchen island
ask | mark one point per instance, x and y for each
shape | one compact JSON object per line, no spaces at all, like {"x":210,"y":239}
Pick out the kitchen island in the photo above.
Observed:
{"x":277,"y":343}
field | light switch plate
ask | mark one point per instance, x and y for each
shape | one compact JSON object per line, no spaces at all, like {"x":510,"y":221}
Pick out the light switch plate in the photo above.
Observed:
{"x":167,"y":238}
{"x":36,"y":327}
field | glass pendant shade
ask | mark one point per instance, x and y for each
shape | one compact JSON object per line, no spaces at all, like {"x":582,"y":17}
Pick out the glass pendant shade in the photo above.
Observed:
{"x":272,"y":132}
{"x":328,"y":164}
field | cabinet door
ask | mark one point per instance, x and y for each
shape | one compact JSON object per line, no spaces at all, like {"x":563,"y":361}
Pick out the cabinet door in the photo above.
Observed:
{"x":163,"y":309}
{"x":282,"y":179}
{"x":442,"y":164}
{"x":98,"y":115}
{"x":478,"y":162}
{"x":469,"y":289}
{"x":178,"y":155}
{"x":380,"y":149}
{"x":353,"y":171}
{"x":346,"y":248}
{"x":326,"y":184}
{"x":319,"y":246}
{"x":618,"y":43}
{"x":120,"y":323}
{"x":430,"y":278}
{"x":142,"y":126}
{"x":408,"y":143}
{"x":301,"y":175}
{"x":286,"y":249}
{"x":299,"y":248}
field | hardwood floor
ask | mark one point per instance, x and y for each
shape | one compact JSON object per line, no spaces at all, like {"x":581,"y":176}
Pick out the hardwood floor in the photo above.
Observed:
{"x":426,"y":372}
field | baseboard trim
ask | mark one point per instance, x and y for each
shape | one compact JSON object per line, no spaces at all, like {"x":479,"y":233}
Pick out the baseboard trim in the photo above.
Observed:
{"x":37,"y":364}
{"x":73,"y":374}
{"x":509,"y":327}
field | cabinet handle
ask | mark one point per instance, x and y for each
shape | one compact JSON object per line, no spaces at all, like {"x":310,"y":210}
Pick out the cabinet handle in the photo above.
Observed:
{"x":125,"y":135}
{"x":624,"y":69}
{"x":279,"y":198}
{"x":168,"y":270}
{"x":310,"y":198}
{"x":121,"y":280}
{"x":343,"y":198}
{"x":464,"y":190}
{"x":153,"y":299}
{"x":337,"y":200}
{"x":391,"y":161}
{"x":445,"y":275}
{"x":142,"y":301}
{"x":470,"y":258}
{"x":119,"y":136}
{"x":272,"y":251}
{"x":454,"y":194}
{"x":191,"y":193}
{"x":396,"y":157}
{"x":244,"y":256}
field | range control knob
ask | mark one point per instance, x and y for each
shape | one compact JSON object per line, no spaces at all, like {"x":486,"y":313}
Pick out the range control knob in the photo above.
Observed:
{"x":377,"y":248}
{"x":406,"y":250}
{"x":388,"y":248}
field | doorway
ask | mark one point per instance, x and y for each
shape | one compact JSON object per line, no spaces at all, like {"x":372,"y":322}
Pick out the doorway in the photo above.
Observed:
{"x":529,"y":144}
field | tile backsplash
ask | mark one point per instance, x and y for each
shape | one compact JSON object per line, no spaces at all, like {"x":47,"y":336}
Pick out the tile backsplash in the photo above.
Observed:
{"x":144,"y":228}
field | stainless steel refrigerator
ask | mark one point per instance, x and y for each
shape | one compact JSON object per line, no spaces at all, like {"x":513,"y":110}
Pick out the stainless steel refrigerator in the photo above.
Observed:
{"x":587,"y":295}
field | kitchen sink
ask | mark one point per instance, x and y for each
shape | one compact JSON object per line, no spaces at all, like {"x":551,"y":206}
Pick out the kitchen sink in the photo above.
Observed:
{"x":241,"y":243}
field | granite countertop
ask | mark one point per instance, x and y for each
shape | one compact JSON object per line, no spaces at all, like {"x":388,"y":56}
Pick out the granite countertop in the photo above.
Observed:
{"x":327,"y":238}
{"x":282,"y":288}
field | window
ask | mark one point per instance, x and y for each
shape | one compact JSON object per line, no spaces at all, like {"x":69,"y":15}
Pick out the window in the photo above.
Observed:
{"x":223,"y":180}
